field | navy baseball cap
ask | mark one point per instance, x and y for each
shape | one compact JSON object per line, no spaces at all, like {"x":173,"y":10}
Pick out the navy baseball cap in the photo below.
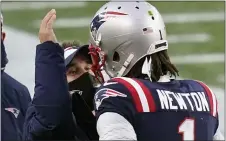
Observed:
{"x":71,"y":52}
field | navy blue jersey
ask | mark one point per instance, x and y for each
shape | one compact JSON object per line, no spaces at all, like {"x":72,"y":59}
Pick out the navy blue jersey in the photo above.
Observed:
{"x":176,"y":110}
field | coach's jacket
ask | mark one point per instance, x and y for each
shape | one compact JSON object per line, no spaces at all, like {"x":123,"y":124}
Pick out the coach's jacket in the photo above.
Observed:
{"x":14,"y":102}
{"x":49,"y":117}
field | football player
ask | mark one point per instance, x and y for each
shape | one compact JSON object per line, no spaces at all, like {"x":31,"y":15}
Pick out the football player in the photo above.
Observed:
{"x":143,"y":100}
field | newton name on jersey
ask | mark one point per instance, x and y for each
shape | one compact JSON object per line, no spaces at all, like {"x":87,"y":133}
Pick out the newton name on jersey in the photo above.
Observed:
{"x":194,"y":101}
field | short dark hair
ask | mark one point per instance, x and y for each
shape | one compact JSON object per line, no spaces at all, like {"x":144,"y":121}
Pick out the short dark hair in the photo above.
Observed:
{"x":160,"y":65}
{"x":74,"y":44}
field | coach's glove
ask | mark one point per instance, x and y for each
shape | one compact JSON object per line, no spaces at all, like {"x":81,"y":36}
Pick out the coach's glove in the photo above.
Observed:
{"x":46,"y":32}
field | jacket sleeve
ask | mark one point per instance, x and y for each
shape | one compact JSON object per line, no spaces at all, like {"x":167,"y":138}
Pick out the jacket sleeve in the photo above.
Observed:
{"x":49,"y":116}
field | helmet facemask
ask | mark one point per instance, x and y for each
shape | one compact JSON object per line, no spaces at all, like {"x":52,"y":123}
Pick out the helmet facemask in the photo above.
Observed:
{"x":98,"y":59}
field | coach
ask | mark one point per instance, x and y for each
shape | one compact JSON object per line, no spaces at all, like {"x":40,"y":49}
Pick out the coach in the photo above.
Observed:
{"x":49,"y":117}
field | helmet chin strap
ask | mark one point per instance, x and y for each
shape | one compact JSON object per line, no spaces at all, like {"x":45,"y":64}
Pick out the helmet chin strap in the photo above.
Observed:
{"x":125,"y":65}
{"x":98,"y":58}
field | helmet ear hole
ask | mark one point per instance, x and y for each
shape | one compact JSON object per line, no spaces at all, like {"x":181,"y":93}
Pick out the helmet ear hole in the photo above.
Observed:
{"x":116,"y":57}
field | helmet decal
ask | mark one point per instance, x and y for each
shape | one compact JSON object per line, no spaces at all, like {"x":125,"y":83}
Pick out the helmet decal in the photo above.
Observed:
{"x":99,"y":19}
{"x":95,"y":25}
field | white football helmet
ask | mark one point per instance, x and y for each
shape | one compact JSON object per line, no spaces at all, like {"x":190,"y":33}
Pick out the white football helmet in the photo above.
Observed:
{"x":124,"y":32}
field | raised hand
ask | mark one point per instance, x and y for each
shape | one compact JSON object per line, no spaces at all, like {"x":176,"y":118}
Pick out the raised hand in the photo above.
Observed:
{"x":46,"y":32}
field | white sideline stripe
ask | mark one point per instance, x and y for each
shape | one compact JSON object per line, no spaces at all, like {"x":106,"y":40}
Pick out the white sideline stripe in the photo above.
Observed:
{"x":198,"y":58}
{"x":68,"y":22}
{"x":168,"y":18}
{"x":189,"y":38}
{"x":194,"y":17}
{"x":9,"y":6}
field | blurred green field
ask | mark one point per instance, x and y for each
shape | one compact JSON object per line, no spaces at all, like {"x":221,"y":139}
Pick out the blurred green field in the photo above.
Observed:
{"x":208,"y":71}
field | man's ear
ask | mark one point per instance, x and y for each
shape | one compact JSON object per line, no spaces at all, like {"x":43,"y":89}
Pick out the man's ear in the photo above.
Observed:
{"x":3,"y":36}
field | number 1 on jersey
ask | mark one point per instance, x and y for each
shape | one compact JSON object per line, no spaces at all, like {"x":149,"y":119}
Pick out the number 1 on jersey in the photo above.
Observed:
{"x":187,"y":129}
